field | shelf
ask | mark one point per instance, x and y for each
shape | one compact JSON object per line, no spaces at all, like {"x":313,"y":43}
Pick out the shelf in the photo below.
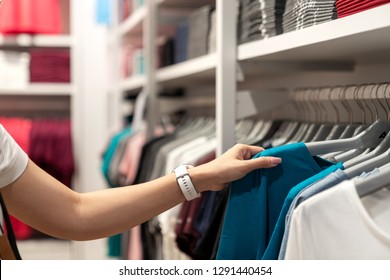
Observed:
{"x":184,"y":4}
{"x":50,"y":89}
{"x":42,"y":41}
{"x":133,"y":24}
{"x":133,"y":83}
{"x":193,"y":70}
{"x":356,"y":38}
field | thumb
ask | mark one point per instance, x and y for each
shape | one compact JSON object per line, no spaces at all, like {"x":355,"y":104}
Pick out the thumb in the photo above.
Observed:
{"x":264,"y":162}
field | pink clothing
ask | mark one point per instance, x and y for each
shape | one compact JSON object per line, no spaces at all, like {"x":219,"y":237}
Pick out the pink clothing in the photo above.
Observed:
{"x":135,"y":244}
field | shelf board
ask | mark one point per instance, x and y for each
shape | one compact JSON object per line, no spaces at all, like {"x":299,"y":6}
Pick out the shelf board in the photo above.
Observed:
{"x":50,"y":89}
{"x":28,"y":41}
{"x":133,"y":83}
{"x":185,"y":4}
{"x":360,"y":37}
{"x":133,"y":24}
{"x":193,"y":70}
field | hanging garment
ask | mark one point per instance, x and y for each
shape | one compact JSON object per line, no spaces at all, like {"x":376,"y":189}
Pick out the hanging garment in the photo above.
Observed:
{"x":256,"y":200}
{"x":32,"y":17}
{"x":207,"y":245}
{"x":186,"y":234}
{"x":273,"y":247}
{"x":338,"y":224}
{"x":329,"y":181}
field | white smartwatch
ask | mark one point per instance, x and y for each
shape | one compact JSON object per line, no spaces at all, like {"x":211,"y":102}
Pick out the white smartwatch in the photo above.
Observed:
{"x":184,"y":181}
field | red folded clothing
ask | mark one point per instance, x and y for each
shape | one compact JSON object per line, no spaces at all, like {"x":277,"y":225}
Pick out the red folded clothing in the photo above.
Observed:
{"x":30,"y":16}
{"x":348,"y":7}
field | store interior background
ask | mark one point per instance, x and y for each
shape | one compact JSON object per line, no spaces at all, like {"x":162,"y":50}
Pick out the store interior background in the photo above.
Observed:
{"x":99,"y":93}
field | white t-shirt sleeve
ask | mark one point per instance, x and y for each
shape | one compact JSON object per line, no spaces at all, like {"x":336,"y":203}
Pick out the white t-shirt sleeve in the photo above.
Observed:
{"x":13,"y":160}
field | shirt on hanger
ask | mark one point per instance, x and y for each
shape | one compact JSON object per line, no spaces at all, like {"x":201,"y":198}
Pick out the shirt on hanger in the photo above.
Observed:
{"x":273,"y":247}
{"x":256,"y":200}
{"x":319,"y":186}
{"x":338,"y":224}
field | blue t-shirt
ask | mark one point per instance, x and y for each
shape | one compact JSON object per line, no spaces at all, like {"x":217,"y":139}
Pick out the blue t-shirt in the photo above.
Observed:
{"x":273,"y":248}
{"x":256,"y":200}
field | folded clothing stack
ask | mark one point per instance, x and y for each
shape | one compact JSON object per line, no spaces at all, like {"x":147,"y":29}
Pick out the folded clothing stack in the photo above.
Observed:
{"x":272,"y":15}
{"x":250,"y":19}
{"x":50,"y":66}
{"x":349,"y":7}
{"x":301,"y":14}
{"x":14,"y":71}
{"x":32,"y":17}
{"x":198,"y":31}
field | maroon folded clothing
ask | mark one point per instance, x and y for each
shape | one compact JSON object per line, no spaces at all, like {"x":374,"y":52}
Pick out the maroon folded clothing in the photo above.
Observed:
{"x":50,"y":66}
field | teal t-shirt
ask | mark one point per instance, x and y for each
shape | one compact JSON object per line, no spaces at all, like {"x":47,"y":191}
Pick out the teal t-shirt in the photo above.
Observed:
{"x":256,"y":200}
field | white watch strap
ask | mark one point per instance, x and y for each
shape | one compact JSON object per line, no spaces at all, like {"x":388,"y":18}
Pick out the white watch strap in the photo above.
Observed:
{"x":184,"y":181}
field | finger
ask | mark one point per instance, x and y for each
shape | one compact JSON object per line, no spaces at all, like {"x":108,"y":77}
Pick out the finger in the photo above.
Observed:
{"x":254,"y":150}
{"x":264,"y":162}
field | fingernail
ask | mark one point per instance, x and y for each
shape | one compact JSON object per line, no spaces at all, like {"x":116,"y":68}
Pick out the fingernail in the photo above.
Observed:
{"x":276,"y":160}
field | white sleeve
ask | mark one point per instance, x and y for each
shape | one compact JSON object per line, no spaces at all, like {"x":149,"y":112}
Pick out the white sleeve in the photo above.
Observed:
{"x":13,"y":160}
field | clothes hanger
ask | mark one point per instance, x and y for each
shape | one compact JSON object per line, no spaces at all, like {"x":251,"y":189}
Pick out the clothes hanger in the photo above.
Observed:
{"x":303,"y":96}
{"x":325,"y":128}
{"x":345,"y":156}
{"x":287,"y":131}
{"x":381,"y":148}
{"x":370,"y":164}
{"x":351,"y":127}
{"x":338,"y":128}
{"x":369,"y":138}
{"x":313,"y":128}
{"x":374,"y":182}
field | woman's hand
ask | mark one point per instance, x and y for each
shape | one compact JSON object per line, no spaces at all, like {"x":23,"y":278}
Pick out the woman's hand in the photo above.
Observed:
{"x":230,"y":166}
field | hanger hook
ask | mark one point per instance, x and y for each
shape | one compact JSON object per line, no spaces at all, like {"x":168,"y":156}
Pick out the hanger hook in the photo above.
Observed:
{"x":321,"y":105}
{"x":366,"y":103}
{"x":372,"y":103}
{"x":332,"y":103}
{"x":358,"y":102}
{"x":379,"y":99}
{"x":313,"y":99}
{"x":345,"y":104}
{"x":387,"y":102}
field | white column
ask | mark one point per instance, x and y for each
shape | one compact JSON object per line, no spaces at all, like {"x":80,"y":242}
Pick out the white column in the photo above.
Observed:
{"x":150,"y":48}
{"x":89,"y":110}
{"x":226,"y":74}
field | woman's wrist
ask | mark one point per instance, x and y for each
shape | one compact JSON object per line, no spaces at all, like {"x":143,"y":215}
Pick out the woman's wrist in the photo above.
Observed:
{"x":201,"y":178}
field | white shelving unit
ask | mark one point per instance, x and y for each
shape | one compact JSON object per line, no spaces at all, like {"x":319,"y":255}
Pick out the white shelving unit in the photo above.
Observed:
{"x":133,"y":25}
{"x":200,"y":68}
{"x":356,"y":38}
{"x":354,"y":49}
